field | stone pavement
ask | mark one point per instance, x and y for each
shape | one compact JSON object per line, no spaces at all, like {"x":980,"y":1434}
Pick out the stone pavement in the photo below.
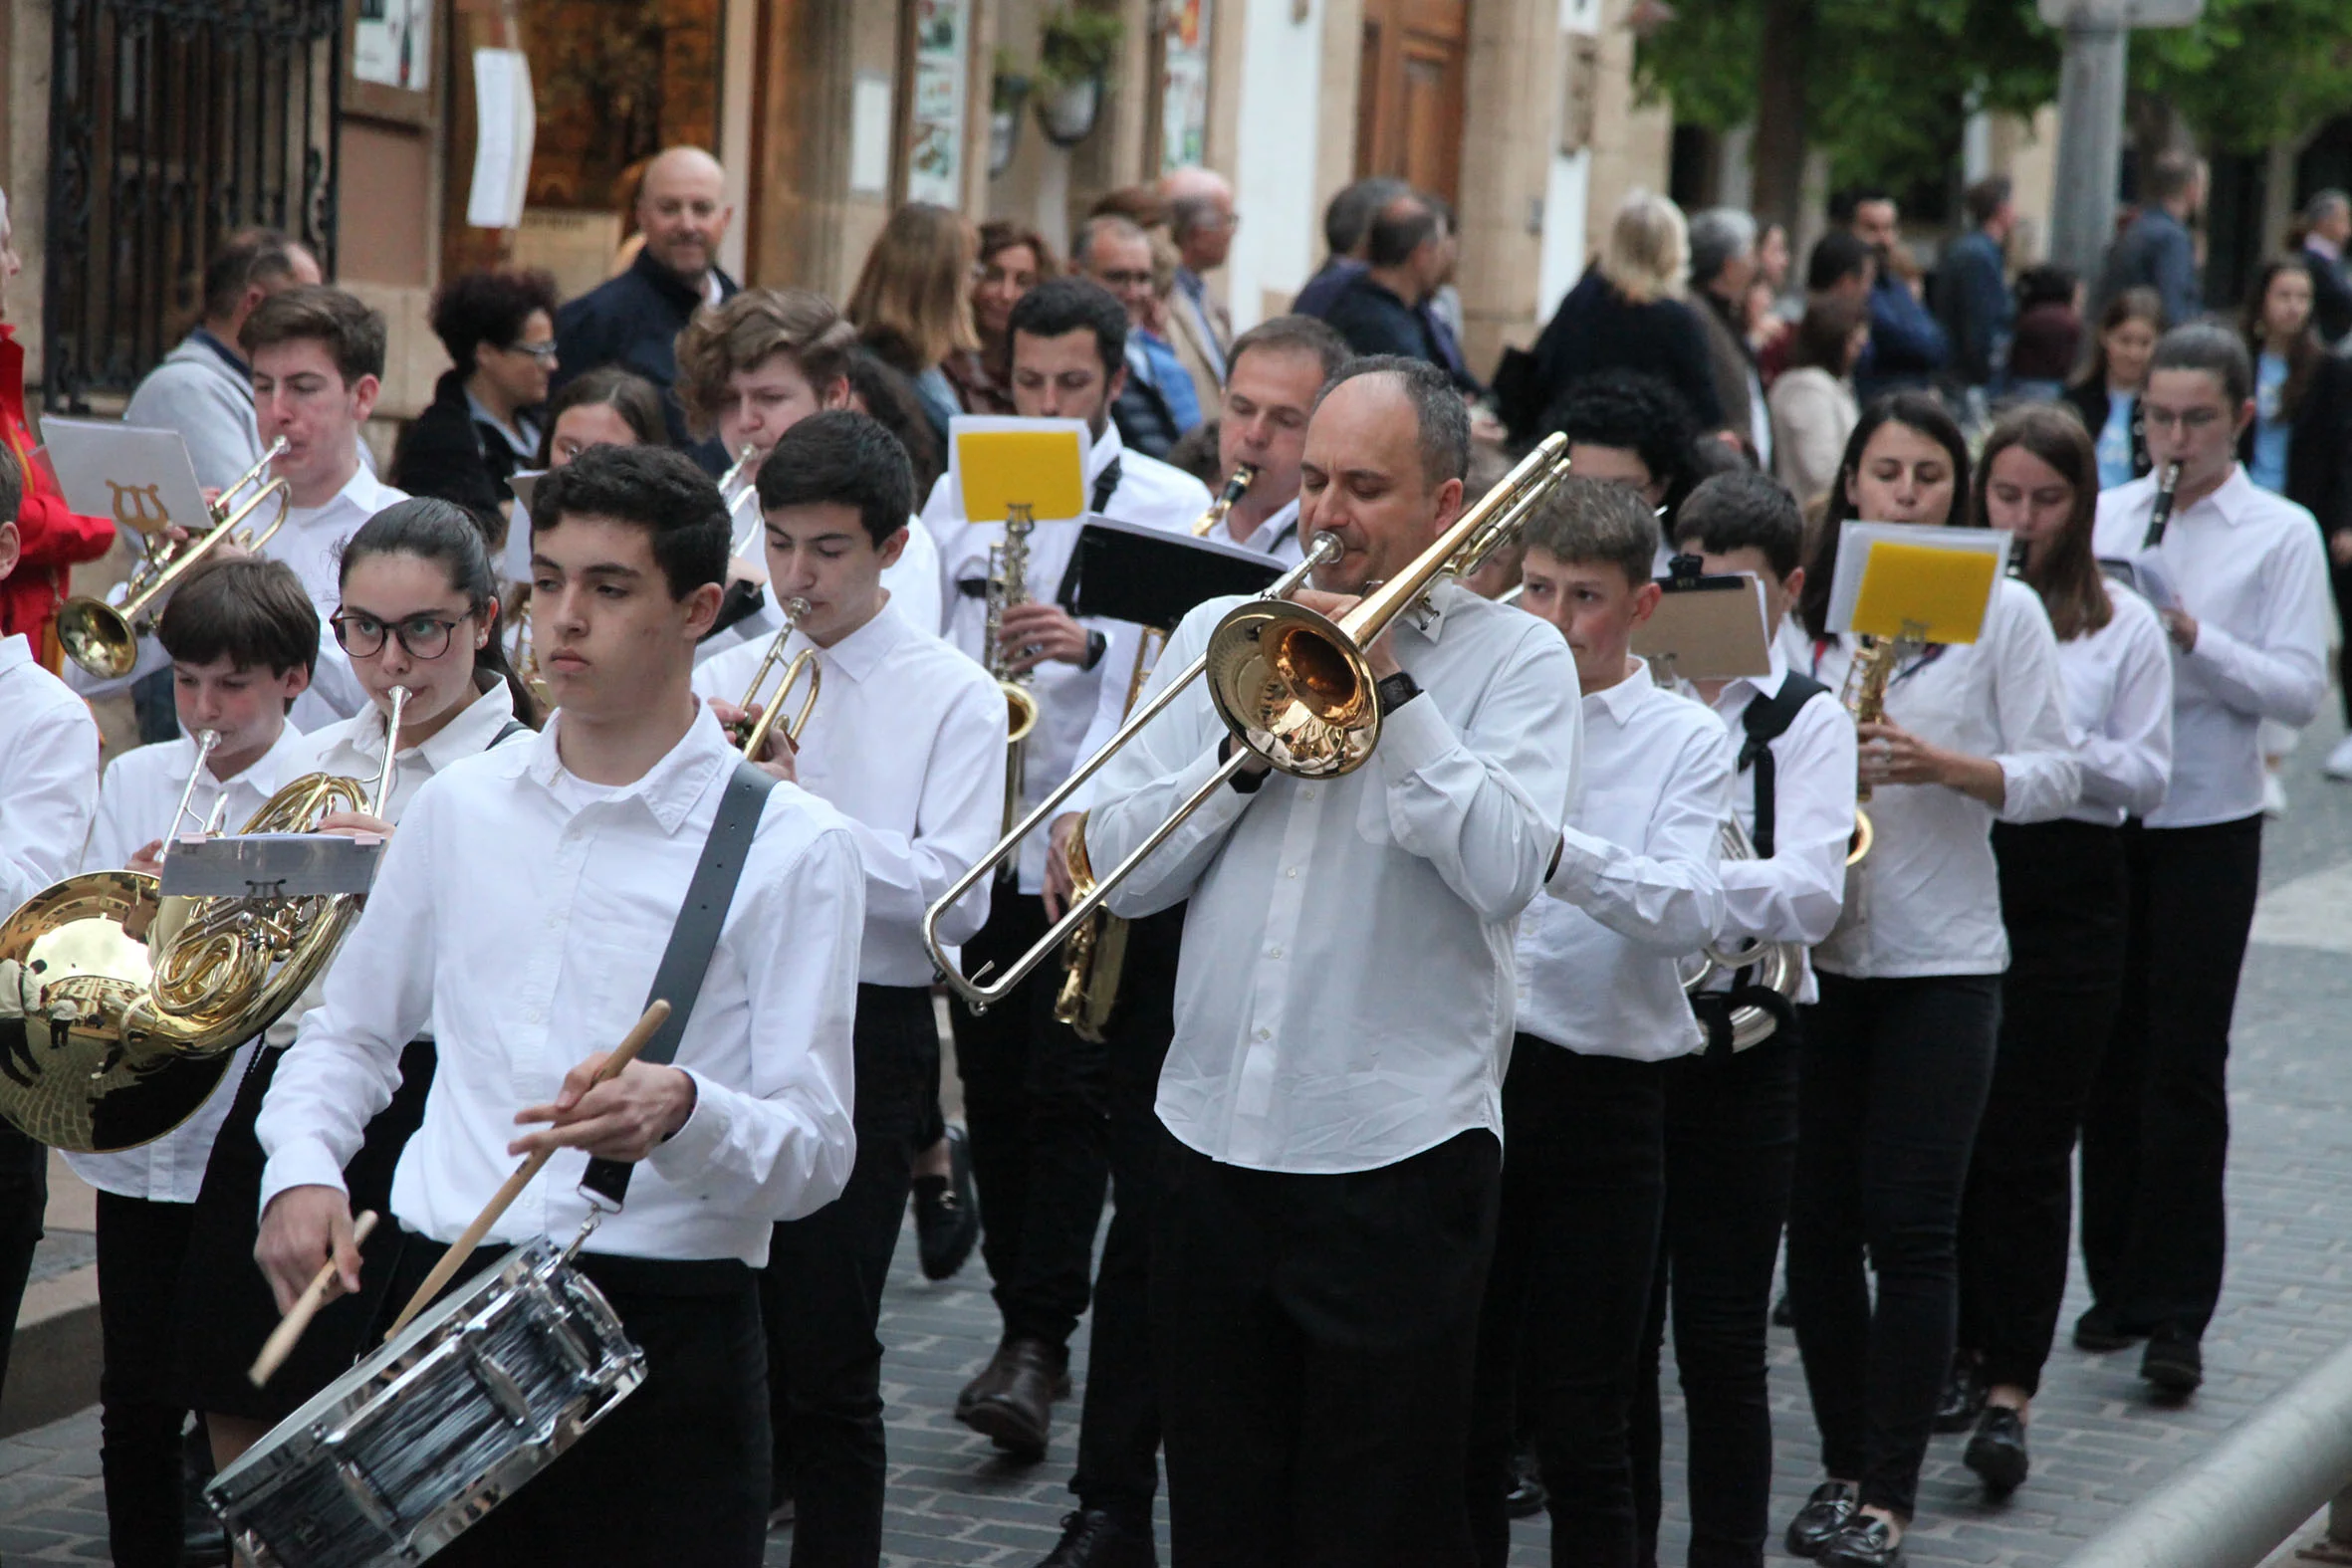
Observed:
{"x":2099,"y":1441}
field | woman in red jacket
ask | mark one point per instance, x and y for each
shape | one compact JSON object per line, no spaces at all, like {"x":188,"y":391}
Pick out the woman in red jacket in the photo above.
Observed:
{"x":53,"y":538}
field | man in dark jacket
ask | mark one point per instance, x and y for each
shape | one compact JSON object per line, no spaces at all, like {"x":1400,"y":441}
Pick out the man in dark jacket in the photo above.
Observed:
{"x":2155,"y":252}
{"x":1907,"y":345}
{"x":2327,"y":225}
{"x":1972,"y":291}
{"x":1380,"y":311}
{"x":633,"y":321}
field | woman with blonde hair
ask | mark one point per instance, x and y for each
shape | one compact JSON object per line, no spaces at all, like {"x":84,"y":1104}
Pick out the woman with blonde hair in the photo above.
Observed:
{"x":912,"y":304}
{"x":1628,"y":313}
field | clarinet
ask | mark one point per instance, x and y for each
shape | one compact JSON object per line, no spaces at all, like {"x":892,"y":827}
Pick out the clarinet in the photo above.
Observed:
{"x":2162,"y":513}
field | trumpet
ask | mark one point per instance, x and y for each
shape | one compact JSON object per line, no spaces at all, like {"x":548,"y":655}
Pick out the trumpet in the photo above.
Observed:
{"x":527,"y":658}
{"x":103,"y":638}
{"x":754,"y":735}
{"x":734,"y":485}
{"x":1779,"y":965}
{"x":1294,"y":687}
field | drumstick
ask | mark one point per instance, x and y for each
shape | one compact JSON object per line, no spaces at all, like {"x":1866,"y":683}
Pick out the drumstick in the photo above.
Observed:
{"x":280,"y":1344}
{"x":463,"y":1248}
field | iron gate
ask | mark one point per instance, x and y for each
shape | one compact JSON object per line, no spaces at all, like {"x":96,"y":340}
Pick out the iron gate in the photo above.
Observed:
{"x":174,"y":122}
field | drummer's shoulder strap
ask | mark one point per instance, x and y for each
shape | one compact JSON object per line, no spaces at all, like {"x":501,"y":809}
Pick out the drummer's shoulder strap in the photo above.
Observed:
{"x":688,"y":957}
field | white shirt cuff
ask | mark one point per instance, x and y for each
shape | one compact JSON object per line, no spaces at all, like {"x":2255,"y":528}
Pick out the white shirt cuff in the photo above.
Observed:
{"x":307,"y":1163}
{"x":685,"y":1156}
{"x":1411,"y":737}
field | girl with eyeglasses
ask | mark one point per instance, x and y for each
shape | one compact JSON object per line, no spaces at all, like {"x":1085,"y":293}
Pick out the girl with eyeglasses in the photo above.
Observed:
{"x":419,"y":611}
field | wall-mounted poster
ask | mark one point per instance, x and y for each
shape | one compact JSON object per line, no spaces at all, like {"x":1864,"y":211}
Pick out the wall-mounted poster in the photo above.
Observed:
{"x":392,"y":43}
{"x":935,"y":119}
{"x":1184,"y":86}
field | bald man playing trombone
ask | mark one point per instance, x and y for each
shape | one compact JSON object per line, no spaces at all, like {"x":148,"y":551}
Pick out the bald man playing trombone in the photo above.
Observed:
{"x":1331,"y":1105}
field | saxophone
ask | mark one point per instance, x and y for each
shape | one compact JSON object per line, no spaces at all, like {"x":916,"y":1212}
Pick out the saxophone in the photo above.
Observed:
{"x":1008,"y":587}
{"x":1866,"y":699}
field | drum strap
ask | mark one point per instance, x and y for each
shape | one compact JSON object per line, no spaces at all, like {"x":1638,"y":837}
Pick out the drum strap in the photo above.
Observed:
{"x":693,"y":939}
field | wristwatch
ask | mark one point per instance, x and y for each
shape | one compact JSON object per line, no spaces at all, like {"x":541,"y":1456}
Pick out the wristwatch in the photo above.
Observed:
{"x":1394,"y":691}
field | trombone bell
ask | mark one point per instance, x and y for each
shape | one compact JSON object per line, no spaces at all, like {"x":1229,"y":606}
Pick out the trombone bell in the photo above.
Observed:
{"x":1294,"y":687}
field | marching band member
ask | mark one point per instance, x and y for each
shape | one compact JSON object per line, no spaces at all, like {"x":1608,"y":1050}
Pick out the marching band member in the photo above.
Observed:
{"x":568,"y":856}
{"x":1601,"y":1009}
{"x":1330,"y":1104}
{"x":2247,"y":618}
{"x":243,"y":638}
{"x":908,"y":741}
{"x":1898,"y":1053}
{"x":1731,"y":1113}
{"x":2064,"y":899}
{"x":1274,"y":372}
{"x":318,"y":356}
{"x":1033,"y":1091}
{"x":49,"y":749}
{"x":419,"y":610}
{"x":749,"y":371}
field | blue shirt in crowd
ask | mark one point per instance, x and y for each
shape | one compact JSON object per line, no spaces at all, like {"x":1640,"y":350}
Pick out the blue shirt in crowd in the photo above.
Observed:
{"x":2115,"y":441}
{"x":2272,"y":434}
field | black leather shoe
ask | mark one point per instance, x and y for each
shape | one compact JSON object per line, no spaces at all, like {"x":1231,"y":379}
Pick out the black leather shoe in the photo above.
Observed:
{"x":2173,"y":1361}
{"x":1867,"y":1541}
{"x":2100,"y":1330}
{"x":947,"y":1211}
{"x":1826,"y":1513}
{"x":1098,"y":1538}
{"x":1964,"y":1393}
{"x":204,"y":1544}
{"x":1528,"y":1495}
{"x":990,"y":1379}
{"x":1998,"y":1452}
{"x":1016,"y":1412}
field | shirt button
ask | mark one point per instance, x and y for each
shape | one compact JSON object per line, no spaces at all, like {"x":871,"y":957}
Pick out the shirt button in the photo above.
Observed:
{"x":1273,"y":952}
{"x":537,"y":1015}
{"x":1306,"y":794}
{"x":1266,"y":1034}
{"x":1292,"y":873}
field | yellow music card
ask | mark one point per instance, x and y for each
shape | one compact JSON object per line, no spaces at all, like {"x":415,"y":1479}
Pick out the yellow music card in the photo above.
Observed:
{"x":1035,"y":463}
{"x":1927,"y":584}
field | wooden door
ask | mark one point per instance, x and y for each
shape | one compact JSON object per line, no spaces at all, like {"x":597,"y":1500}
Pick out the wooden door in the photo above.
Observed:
{"x":1409,"y":93}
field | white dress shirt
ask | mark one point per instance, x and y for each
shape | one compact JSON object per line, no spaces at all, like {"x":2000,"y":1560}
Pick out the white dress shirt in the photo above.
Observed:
{"x":1150,"y":494}
{"x":1926,"y":900}
{"x":1277,"y":537}
{"x":1345,"y":996}
{"x":1636,"y":889}
{"x":49,"y":749}
{"x":906,"y":742}
{"x":2119,"y":710}
{"x":313,"y":538}
{"x":523,"y":912}
{"x":1795,"y":894}
{"x":913,"y":582}
{"x":134,"y":806}
{"x":2250,"y":569}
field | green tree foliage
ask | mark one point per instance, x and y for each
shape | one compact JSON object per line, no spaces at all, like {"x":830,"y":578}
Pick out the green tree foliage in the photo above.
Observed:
{"x":2251,"y":72}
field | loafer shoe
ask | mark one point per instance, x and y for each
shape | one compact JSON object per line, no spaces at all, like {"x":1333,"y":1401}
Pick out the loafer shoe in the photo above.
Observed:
{"x":1867,"y":1541}
{"x":2173,"y":1361}
{"x":1099,"y":1538}
{"x":1963,"y":1400}
{"x":1827,"y":1511}
{"x":947,"y":1211}
{"x":1998,"y":1450}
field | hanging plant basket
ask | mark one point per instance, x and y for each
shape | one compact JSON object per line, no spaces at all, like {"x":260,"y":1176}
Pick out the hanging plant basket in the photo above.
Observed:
{"x":1078,"y":51}
{"x":1070,"y":111}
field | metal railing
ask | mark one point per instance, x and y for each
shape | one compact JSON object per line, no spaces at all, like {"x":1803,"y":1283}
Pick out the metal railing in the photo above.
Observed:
{"x":2235,"y":1504}
{"x":172,"y":124}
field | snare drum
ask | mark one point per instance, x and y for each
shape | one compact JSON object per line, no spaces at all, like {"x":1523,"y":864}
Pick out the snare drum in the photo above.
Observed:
{"x":430,"y":1433}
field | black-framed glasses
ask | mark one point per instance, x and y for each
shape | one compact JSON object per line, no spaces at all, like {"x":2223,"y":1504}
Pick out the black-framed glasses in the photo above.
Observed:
{"x":544,"y":353}
{"x":362,"y":635}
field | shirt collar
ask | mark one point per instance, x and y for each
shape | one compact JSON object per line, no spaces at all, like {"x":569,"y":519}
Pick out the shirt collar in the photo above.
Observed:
{"x":15,"y":652}
{"x":1195,"y":286}
{"x":2236,"y":501}
{"x":206,"y":339}
{"x":1107,"y":450}
{"x":363,"y":491}
{"x":271,"y":770}
{"x":672,"y":787}
{"x":1619,"y":700}
{"x":2321,"y":246}
{"x":474,"y":727}
{"x":867,"y":650}
{"x":515,"y":435}
{"x":1769,"y":684}
{"x":1278,"y":526}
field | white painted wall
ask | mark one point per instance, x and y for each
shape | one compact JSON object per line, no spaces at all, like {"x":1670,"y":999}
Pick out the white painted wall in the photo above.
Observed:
{"x":1279,"y":241}
{"x":1566,"y":191}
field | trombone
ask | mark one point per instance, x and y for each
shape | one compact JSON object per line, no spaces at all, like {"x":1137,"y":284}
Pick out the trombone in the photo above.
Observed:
{"x":103,"y":638}
{"x":1295,"y":688}
{"x":755,"y":737}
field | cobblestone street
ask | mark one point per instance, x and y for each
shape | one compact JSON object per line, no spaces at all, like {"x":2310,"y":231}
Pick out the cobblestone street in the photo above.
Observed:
{"x":2099,"y":1443}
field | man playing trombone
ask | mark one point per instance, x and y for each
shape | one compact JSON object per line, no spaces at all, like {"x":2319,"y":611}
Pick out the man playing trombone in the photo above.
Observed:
{"x":1345,"y":1006}
{"x":908,"y":741}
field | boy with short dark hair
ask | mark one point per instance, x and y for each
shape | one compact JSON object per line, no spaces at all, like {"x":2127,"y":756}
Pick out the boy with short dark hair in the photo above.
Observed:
{"x":1632,"y":891}
{"x":1731,"y":1112}
{"x":570,"y":857}
{"x":243,"y":639}
{"x":906,"y":740}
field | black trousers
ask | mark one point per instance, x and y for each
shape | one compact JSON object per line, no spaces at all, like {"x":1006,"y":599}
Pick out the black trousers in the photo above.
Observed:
{"x":2062,"y":893}
{"x":820,"y":1297}
{"x":1119,"y":1430}
{"x":2157,"y":1136}
{"x":23,"y":1199}
{"x":2340,"y":578}
{"x":1892,"y":1081}
{"x":678,"y":1473}
{"x":1567,"y":1294}
{"x":1730,"y":1149}
{"x":1034,"y":1106}
{"x":141,"y":1246}
{"x":1314,"y":1337}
